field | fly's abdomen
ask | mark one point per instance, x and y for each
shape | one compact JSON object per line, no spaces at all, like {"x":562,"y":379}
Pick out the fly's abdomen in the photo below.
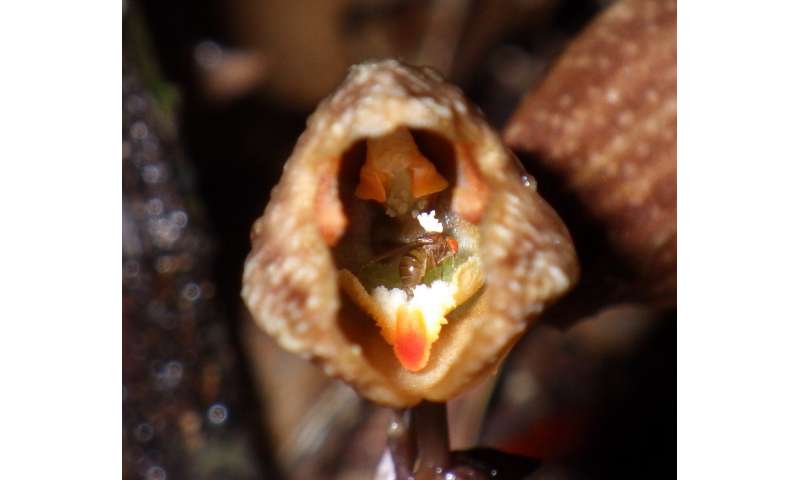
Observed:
{"x":412,"y":267}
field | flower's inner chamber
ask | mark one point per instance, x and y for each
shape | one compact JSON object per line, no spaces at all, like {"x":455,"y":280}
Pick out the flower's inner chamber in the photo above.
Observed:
{"x":406,"y":259}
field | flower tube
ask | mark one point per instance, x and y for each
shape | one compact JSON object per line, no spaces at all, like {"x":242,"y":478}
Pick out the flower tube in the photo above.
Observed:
{"x":404,"y":249}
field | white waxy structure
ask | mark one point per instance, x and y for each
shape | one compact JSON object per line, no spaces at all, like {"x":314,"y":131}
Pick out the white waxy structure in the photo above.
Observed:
{"x":429,"y":222}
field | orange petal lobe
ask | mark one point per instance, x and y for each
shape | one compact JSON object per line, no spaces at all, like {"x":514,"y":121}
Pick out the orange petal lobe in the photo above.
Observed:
{"x":471,"y":193}
{"x":425,"y":180}
{"x":411,"y":344}
{"x":331,"y":220}
{"x":370,"y":187}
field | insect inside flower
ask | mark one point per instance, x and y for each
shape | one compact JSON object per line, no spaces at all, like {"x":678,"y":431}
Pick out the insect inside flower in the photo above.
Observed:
{"x":409,"y":260}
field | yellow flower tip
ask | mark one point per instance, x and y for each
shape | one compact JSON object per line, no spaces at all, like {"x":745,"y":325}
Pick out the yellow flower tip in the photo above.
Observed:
{"x":412,"y":340}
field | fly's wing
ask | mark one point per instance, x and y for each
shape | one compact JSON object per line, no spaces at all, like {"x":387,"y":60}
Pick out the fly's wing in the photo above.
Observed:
{"x":395,"y":252}
{"x":402,"y":249}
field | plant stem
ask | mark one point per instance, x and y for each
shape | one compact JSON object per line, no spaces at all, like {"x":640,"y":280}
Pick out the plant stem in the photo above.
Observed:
{"x":429,"y":420}
{"x":401,"y":443}
{"x":418,"y":441}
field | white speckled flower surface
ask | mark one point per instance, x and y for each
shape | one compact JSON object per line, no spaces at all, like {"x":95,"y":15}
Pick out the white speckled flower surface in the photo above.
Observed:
{"x":604,"y":120}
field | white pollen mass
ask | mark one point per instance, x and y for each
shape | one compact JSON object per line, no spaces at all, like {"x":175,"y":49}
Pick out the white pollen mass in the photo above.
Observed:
{"x":429,"y":222}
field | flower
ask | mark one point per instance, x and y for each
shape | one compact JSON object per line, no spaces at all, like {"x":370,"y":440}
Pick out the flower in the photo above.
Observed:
{"x":402,"y":249}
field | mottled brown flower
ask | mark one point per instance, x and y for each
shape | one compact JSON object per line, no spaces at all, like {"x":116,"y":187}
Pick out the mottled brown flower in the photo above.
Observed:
{"x":605,"y":120}
{"x":316,"y":230}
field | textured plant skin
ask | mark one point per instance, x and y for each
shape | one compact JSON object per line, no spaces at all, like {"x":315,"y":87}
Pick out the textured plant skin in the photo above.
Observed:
{"x":290,"y":278}
{"x":604,"y":119}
